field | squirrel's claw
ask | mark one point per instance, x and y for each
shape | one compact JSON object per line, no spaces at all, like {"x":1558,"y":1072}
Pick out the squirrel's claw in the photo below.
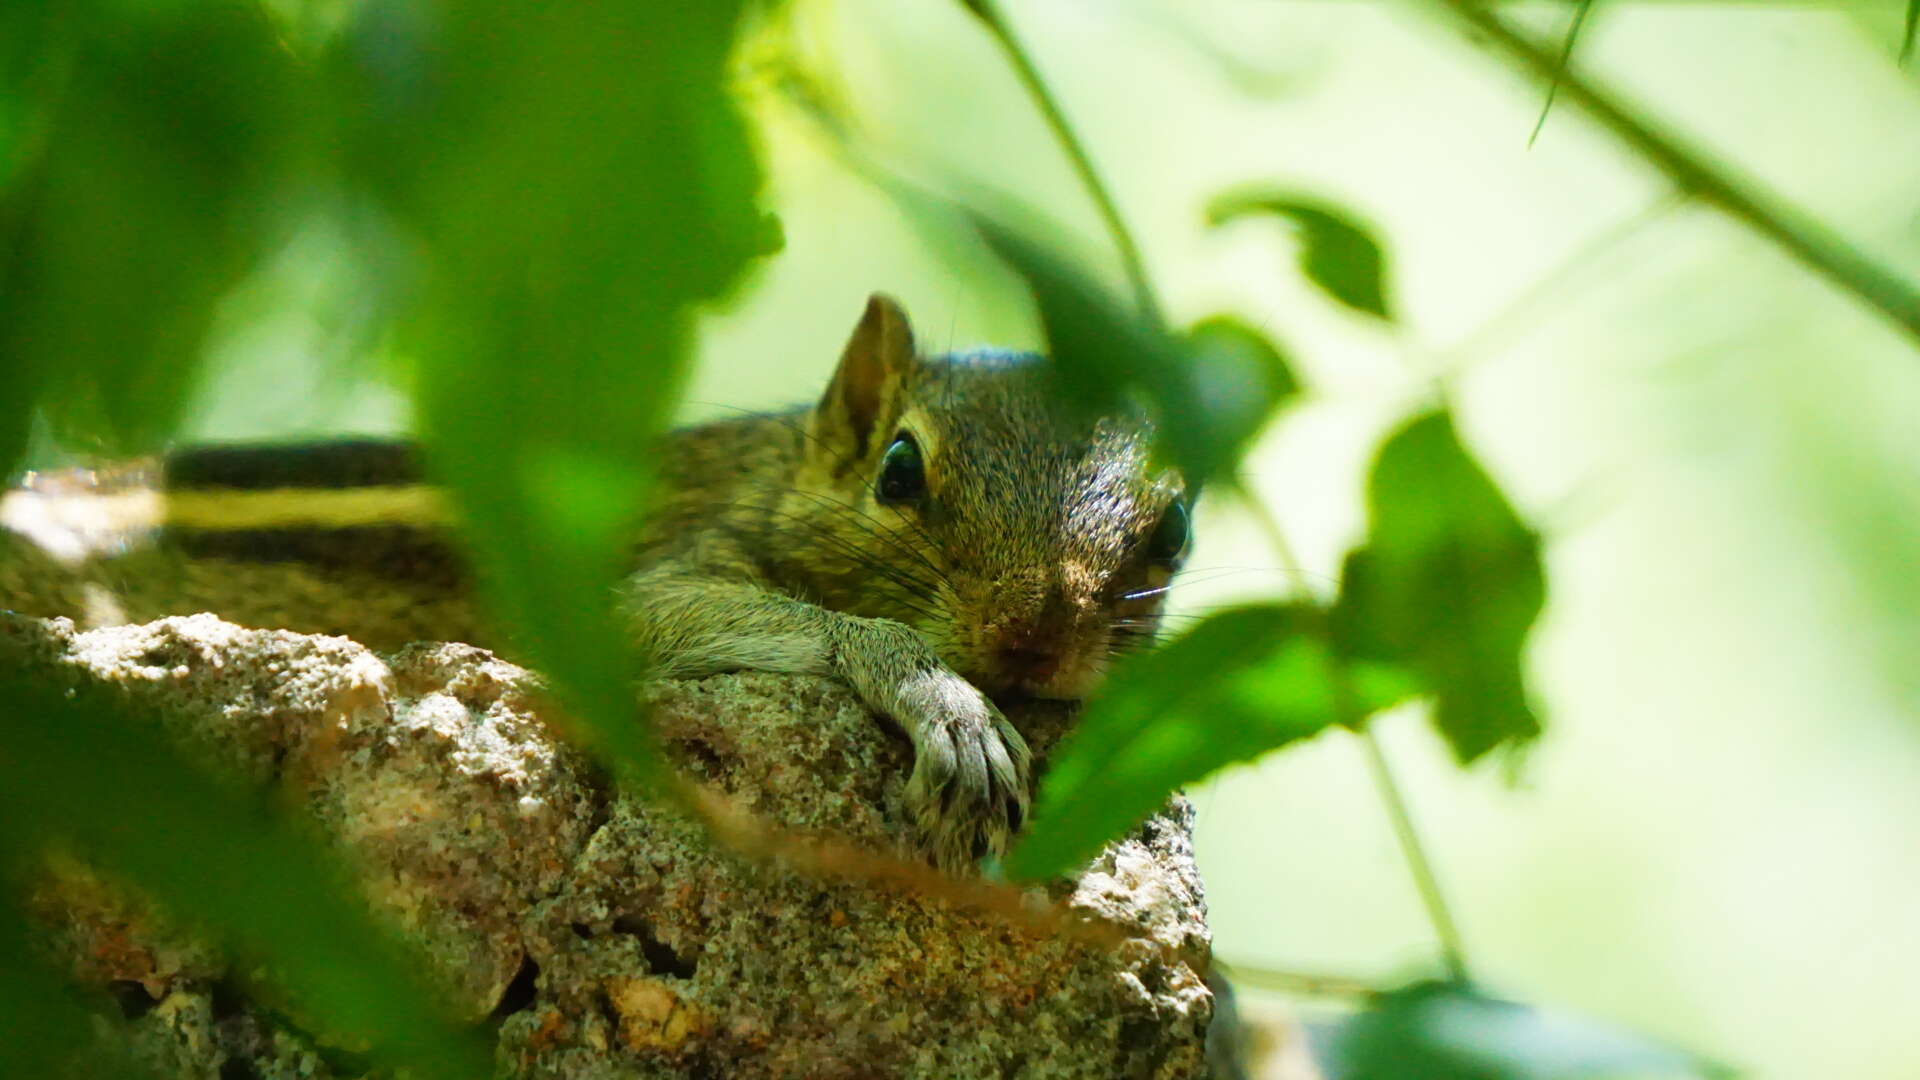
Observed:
{"x":969,"y":789}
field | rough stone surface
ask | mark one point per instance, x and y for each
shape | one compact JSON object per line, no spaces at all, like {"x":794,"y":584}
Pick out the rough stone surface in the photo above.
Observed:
{"x":598,"y":935}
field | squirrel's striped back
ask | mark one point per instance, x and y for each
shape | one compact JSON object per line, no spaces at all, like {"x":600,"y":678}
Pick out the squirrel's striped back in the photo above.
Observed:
{"x":341,"y":536}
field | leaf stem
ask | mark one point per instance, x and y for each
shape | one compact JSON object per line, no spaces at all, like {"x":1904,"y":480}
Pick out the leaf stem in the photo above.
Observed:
{"x":1449,"y":362}
{"x":1276,"y":537}
{"x":1424,"y":879}
{"x":1131,"y":262}
{"x":1566,"y":55}
{"x":1308,"y":984}
{"x":1445,"y":930}
{"x":1743,"y":199}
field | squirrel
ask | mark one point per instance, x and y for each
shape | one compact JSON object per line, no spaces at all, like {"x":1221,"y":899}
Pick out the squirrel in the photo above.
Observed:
{"x":935,"y":533}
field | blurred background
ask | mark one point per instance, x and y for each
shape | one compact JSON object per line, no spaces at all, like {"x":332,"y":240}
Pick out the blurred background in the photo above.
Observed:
{"x":1718,"y":840}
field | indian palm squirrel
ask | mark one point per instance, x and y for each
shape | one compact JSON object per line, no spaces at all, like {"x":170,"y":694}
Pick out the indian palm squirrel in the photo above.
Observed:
{"x":936,"y":532}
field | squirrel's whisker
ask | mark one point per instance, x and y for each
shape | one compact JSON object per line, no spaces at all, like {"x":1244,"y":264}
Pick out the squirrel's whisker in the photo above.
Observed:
{"x":911,"y":587}
{"x":880,"y":531}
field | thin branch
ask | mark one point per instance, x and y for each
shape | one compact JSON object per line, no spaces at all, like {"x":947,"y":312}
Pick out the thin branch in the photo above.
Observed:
{"x":828,"y":859}
{"x":1799,"y":235}
{"x":1566,"y":55}
{"x":1448,"y":362}
{"x":1302,"y":983}
{"x":1424,"y":879}
{"x":1276,"y":537}
{"x":1445,"y":930}
{"x":1131,"y":262}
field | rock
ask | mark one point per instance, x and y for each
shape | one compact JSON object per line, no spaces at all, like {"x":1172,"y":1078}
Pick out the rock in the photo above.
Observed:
{"x":600,"y":935}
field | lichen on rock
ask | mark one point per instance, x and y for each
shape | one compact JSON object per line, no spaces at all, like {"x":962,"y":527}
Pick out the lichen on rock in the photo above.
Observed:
{"x":600,"y":935}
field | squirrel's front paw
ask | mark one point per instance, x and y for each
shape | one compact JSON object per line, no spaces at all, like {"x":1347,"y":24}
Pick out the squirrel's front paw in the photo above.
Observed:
{"x":969,"y":789}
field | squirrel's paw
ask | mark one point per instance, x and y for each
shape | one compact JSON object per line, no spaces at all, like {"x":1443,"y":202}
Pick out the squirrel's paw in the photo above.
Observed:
{"x":969,"y":789}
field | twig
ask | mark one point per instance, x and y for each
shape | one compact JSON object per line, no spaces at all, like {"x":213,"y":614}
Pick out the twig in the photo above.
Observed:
{"x":1415,"y":853}
{"x":1799,"y":235}
{"x":1276,"y":537}
{"x":1447,"y":363}
{"x":837,"y":861}
{"x":1307,"y":984}
{"x":1130,"y":261}
{"x":1445,"y":930}
{"x":1566,"y":55}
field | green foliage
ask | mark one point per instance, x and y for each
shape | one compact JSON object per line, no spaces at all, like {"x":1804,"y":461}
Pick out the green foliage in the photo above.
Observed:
{"x":569,"y":225}
{"x":1438,"y":602}
{"x":1337,"y":253}
{"x":144,"y":146}
{"x":551,"y":188}
{"x":1450,"y":1031}
{"x":1209,"y":393}
{"x":1447,"y":585}
{"x":89,"y":777}
{"x":1242,"y":683}
{"x":1241,"y":378}
{"x":45,"y":1021}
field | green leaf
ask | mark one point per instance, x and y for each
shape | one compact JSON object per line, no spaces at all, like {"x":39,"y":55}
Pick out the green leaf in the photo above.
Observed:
{"x":44,"y":1029}
{"x":1449,"y":1031}
{"x":1337,"y":253}
{"x":1448,"y":585}
{"x":140,"y":184}
{"x":1241,"y":379}
{"x":89,"y":776}
{"x":1913,"y":24}
{"x":1208,"y":394}
{"x":576,"y":179}
{"x":1240,"y":684}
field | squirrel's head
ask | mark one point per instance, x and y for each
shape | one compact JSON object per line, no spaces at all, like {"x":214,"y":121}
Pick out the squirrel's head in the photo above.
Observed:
{"x":1029,"y":543}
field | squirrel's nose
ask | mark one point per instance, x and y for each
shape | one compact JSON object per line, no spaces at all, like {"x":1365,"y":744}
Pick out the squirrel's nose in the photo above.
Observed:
{"x":1031,"y":643}
{"x":1023,"y":663}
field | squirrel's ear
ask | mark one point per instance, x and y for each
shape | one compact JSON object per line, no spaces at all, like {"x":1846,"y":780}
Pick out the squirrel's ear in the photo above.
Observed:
{"x":865,"y":388}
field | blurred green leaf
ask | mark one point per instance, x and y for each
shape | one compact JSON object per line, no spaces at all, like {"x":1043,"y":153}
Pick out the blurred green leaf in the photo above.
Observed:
{"x":1337,"y":253}
{"x":85,"y":774}
{"x":146,"y":148}
{"x":1104,"y":352}
{"x":1208,"y":394}
{"x":44,"y":1029}
{"x":1241,"y":378}
{"x":1913,"y":24}
{"x":1240,"y":684}
{"x":576,"y":179}
{"x":1449,"y":1031}
{"x":1448,"y":584}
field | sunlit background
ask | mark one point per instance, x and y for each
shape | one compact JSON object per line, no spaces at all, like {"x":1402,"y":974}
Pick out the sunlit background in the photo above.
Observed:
{"x":1718,"y":840}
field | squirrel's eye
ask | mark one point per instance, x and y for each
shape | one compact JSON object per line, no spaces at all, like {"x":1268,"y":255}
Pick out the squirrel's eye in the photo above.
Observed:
{"x":902,"y":477}
{"x":1170,"y":537}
